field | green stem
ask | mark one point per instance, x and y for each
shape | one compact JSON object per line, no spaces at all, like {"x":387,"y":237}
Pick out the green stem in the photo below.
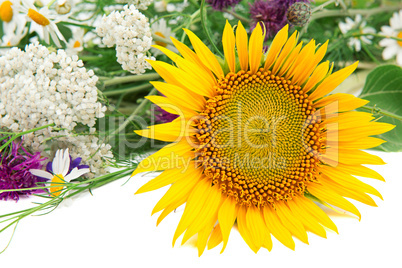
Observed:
{"x":90,"y":58}
{"x":78,"y":25}
{"x":51,"y":3}
{"x":16,"y":135}
{"x":127,"y":90}
{"x":369,"y":53}
{"x":375,"y":110}
{"x":131,"y":78}
{"x":352,"y":12}
{"x":237,"y":16}
{"x":134,"y":114}
{"x":206,"y":30}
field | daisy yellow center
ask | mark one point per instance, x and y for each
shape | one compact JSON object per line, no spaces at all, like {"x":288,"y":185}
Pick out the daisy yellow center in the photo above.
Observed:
{"x":259,"y":139}
{"x":37,"y":17}
{"x":399,"y":36}
{"x":56,"y":184}
{"x":76,"y":44}
{"x":6,"y":12}
{"x":160,"y":43}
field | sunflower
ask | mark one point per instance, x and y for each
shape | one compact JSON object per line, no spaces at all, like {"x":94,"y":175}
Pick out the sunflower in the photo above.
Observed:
{"x":257,"y":139}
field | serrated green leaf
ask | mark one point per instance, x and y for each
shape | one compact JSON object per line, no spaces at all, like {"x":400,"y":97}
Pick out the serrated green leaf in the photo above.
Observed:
{"x":383,"y":88}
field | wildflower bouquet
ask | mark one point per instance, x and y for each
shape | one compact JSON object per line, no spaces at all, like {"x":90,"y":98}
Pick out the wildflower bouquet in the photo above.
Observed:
{"x":248,"y":108}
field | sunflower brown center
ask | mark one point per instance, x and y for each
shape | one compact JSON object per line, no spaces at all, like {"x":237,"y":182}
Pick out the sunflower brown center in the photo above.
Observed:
{"x":258,"y":138}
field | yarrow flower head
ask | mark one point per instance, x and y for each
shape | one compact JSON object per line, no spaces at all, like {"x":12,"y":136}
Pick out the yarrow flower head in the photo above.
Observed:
{"x":140,"y":4}
{"x":260,"y":140}
{"x":272,"y":13}
{"x":391,"y":46}
{"x":38,"y":87}
{"x":129,"y":31}
{"x":61,"y":170}
{"x":222,"y":4}
{"x":15,"y":163}
{"x":359,"y":27}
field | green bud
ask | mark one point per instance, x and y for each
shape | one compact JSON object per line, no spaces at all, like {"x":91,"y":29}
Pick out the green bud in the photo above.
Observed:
{"x":299,"y":13}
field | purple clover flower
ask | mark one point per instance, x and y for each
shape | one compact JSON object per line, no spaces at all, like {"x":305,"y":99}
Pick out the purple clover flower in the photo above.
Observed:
{"x":272,"y":13}
{"x":161,"y":116}
{"x":221,"y":4}
{"x":15,"y":163}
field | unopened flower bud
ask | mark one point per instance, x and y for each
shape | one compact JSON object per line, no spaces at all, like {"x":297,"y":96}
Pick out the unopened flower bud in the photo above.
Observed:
{"x":63,"y":7}
{"x":299,"y":13}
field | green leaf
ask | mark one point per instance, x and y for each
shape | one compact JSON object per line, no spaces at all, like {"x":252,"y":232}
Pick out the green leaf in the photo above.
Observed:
{"x":383,"y":88}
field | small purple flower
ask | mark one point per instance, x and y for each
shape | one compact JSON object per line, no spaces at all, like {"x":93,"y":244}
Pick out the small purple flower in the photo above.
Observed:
{"x":15,"y":164}
{"x":221,"y":4}
{"x":161,"y":116}
{"x":272,"y":13}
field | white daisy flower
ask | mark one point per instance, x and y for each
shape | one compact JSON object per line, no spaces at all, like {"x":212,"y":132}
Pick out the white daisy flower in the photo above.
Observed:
{"x":14,"y":33}
{"x":392,"y":47}
{"x":60,"y":172}
{"x":45,"y":22}
{"x":359,"y":26}
{"x":160,"y":28}
{"x":76,"y":42}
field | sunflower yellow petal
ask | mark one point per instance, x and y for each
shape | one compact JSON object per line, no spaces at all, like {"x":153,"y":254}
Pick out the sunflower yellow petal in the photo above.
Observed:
{"x":309,"y":222}
{"x":291,"y":222}
{"x":208,"y":212}
{"x":242,"y":46}
{"x":309,"y":206}
{"x":348,"y":180}
{"x":180,"y":97}
{"x":256,"y":225}
{"x":216,"y":237}
{"x":332,"y":81}
{"x":182,"y":78}
{"x":327,"y":195}
{"x":167,"y":177}
{"x":318,"y":75}
{"x":275,"y":227}
{"x":194,"y":204}
{"x":303,"y":59}
{"x":205,"y":55}
{"x":361,"y":171}
{"x":243,"y":229}
{"x":181,"y":188}
{"x":288,"y":48}
{"x":255,"y":48}
{"x":226,"y":217}
{"x":229,"y":43}
{"x":345,"y":102}
{"x":165,"y":158}
{"x":347,"y":192}
{"x":279,"y":41}
{"x":203,"y":236}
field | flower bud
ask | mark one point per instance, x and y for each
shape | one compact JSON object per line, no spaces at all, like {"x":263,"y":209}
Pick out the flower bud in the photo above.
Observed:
{"x":299,"y":13}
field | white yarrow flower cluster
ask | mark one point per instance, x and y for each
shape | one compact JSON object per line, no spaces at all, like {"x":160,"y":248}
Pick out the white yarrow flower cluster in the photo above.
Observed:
{"x":38,"y":87}
{"x":140,"y":4}
{"x":359,"y":26}
{"x":129,"y":31}
{"x":391,"y":46}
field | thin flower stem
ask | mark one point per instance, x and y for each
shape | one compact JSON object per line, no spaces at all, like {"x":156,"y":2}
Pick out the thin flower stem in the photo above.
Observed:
{"x":369,"y":53}
{"x":205,"y":28}
{"x":375,"y":110}
{"x":352,"y":12}
{"x":134,"y":114}
{"x":78,"y":25}
{"x":16,"y":135}
{"x":127,"y":90}
{"x":131,"y":78}
{"x":237,"y":16}
{"x":51,"y":3}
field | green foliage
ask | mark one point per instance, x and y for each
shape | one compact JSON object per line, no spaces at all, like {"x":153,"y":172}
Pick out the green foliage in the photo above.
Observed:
{"x":383,"y":88}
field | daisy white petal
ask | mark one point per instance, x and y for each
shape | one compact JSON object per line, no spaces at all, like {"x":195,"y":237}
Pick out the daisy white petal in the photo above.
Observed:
{"x":76,"y":173}
{"x":41,"y":173}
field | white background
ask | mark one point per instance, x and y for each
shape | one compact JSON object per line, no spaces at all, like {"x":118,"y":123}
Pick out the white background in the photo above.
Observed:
{"x":114,"y":228}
